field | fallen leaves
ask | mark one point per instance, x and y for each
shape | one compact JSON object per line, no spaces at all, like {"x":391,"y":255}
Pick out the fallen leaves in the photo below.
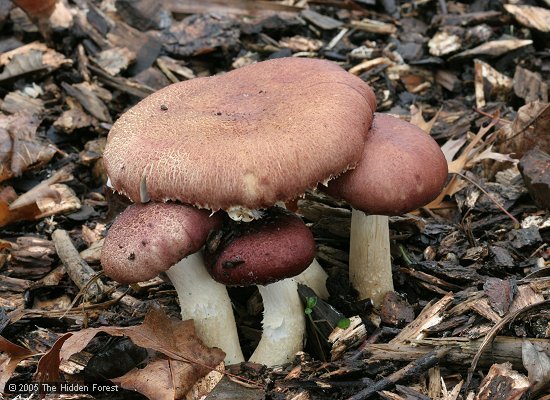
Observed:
{"x":10,"y":355}
{"x":179,"y":361}
{"x":20,"y":148}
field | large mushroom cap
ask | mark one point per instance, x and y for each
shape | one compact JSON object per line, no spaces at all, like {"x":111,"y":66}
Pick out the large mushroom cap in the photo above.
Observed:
{"x":248,"y":138}
{"x":147,"y":239}
{"x":402,"y":168}
{"x":260,"y":252}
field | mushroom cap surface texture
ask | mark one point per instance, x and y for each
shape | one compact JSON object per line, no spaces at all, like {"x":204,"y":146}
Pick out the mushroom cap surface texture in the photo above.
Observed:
{"x":402,"y":168}
{"x":275,"y":247}
{"x":249,"y":138}
{"x":147,"y":239}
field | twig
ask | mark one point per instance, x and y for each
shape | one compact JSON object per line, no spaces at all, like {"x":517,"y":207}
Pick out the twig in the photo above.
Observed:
{"x":412,"y":369}
{"x":78,"y":270}
{"x":514,"y":219}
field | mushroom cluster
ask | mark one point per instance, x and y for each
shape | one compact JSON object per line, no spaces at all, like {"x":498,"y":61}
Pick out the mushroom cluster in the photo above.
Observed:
{"x":208,"y":161}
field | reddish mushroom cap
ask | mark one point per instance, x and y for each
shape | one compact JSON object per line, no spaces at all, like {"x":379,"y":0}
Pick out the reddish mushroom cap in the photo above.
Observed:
{"x":402,"y":168}
{"x":263,"y":251}
{"x":147,"y":239}
{"x":251,"y":137}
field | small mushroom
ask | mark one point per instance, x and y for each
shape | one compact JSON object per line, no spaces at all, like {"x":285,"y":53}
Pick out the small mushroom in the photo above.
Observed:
{"x":268,"y":252}
{"x":402,"y":168}
{"x":147,"y":239}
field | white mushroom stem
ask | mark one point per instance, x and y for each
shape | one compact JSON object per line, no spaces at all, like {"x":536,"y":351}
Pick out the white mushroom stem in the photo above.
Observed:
{"x":369,"y":256}
{"x":207,"y":303}
{"x":283,"y":323}
{"x":315,"y":278}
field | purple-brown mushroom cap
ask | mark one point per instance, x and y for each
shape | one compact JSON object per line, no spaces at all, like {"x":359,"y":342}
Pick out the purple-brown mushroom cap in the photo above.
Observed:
{"x":147,"y":239}
{"x":260,"y":252}
{"x":251,"y":137}
{"x":402,"y":168}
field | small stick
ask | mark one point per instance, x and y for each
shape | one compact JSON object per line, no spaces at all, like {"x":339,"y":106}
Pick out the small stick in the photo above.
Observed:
{"x":78,"y":270}
{"x":414,"y":368}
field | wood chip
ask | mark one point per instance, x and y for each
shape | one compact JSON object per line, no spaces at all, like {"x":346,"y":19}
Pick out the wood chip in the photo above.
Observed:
{"x":490,"y":85}
{"x":320,"y":20}
{"x":530,"y":16}
{"x":493,"y":48}
{"x":530,"y":86}
{"x":373,"y":26}
{"x":84,"y":93}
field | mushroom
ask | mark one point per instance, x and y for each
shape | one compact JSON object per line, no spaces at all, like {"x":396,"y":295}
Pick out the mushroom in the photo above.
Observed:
{"x":244,"y":140}
{"x":267,"y":252}
{"x":402,"y":168}
{"x":147,"y":239}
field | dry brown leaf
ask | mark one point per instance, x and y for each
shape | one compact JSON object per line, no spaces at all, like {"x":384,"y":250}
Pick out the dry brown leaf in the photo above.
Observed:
{"x":43,"y":189}
{"x":60,"y":199}
{"x":31,"y":58}
{"x":10,"y":355}
{"x":418,"y":120}
{"x":21,"y":148}
{"x":187,"y":358}
{"x":537,"y":364}
{"x":7,"y":216}
{"x":48,"y":366}
{"x":457,"y":166}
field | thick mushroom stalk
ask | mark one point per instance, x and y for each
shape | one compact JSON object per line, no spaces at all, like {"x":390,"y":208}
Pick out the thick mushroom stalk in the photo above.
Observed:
{"x":284,"y":325}
{"x":315,"y":278}
{"x":206,"y":301}
{"x":402,"y":168}
{"x":266,"y":252}
{"x":369,"y":256}
{"x":147,"y":239}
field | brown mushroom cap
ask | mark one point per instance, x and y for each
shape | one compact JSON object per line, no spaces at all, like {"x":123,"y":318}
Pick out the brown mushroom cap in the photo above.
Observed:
{"x":402,"y":168}
{"x":251,"y":137}
{"x":147,"y":239}
{"x":260,"y":252}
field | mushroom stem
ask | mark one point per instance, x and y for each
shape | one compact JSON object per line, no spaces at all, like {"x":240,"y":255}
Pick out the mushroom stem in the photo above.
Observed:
{"x":206,"y":302}
{"x":283,"y":323}
{"x":315,"y":278}
{"x":369,"y":256}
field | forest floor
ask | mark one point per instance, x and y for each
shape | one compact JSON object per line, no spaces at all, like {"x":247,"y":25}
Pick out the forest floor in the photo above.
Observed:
{"x":470,"y":315}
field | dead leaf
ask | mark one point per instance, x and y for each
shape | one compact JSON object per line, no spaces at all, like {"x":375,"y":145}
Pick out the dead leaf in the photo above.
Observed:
{"x":10,"y":355}
{"x":418,"y":120}
{"x":48,"y":366}
{"x":537,"y":364}
{"x":185,"y":359}
{"x":457,"y":165}
{"x":60,"y":199}
{"x":21,"y":148}
{"x":32,"y":57}
{"x":43,"y":189}
{"x":488,"y":153}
